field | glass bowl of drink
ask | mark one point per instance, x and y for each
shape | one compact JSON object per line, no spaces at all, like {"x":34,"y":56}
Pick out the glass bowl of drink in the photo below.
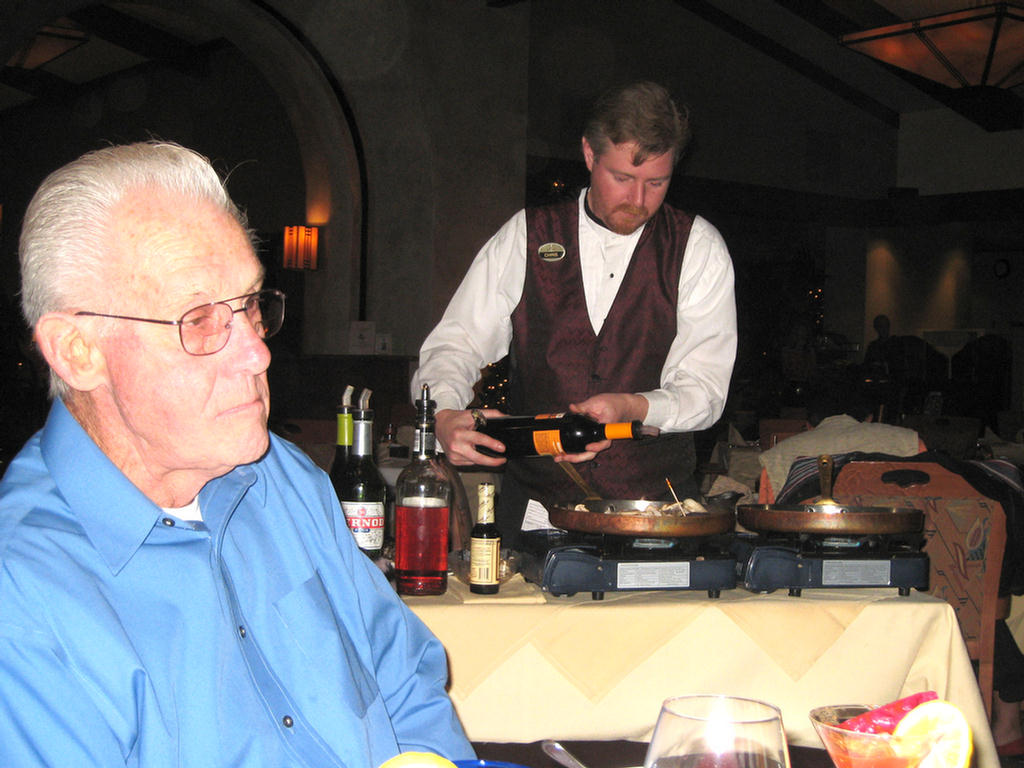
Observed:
{"x":855,"y":749}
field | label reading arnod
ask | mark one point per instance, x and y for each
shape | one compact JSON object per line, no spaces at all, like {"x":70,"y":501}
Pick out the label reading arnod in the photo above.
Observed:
{"x":548,"y":442}
{"x":366,"y":521}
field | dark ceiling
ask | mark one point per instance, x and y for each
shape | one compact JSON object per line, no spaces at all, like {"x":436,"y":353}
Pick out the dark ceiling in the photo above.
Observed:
{"x":91,"y":45}
{"x":108,"y":38}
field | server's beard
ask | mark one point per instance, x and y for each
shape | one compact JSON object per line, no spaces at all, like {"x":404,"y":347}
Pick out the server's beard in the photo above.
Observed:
{"x":625,"y":219}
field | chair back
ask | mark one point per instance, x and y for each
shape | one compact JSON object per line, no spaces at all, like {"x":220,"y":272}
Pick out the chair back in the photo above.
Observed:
{"x":965,"y":535}
{"x":771,"y":431}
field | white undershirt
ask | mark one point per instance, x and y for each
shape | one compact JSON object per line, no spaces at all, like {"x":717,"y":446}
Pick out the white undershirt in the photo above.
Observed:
{"x":604,"y":257}
{"x":190,"y":511}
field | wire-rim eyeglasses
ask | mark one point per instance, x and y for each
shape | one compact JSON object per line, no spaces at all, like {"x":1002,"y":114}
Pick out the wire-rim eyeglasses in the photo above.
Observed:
{"x":205,"y":330}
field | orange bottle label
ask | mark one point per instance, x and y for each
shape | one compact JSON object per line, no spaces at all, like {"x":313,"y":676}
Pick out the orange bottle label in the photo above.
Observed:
{"x":547,"y":442}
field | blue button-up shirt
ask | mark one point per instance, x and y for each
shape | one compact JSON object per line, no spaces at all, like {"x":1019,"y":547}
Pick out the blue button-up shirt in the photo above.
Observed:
{"x":259,"y":637}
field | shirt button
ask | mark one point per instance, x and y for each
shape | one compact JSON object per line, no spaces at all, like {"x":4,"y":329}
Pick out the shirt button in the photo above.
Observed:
{"x":241,"y":631}
{"x":169,"y":522}
{"x":287,"y":720}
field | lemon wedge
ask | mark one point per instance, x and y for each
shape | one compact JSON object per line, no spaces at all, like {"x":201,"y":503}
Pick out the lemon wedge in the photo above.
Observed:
{"x":417,"y":760}
{"x":938,"y":731}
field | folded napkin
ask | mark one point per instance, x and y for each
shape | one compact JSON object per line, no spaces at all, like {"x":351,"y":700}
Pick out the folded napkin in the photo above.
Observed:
{"x":514,"y":591}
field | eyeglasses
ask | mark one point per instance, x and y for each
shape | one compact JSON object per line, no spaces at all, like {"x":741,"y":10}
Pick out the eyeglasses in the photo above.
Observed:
{"x":206,"y":329}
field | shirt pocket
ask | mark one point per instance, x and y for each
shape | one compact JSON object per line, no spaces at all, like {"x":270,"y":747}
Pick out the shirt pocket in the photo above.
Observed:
{"x":322,"y":652}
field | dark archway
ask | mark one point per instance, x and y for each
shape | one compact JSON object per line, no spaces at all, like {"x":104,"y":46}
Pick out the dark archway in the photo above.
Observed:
{"x":322,"y":125}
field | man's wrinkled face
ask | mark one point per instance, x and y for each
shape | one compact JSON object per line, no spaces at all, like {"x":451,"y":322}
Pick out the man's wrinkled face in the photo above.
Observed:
{"x":177,"y":411}
{"x":623,"y":195}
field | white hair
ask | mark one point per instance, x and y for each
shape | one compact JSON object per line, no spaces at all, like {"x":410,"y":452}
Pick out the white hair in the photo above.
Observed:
{"x":62,"y":251}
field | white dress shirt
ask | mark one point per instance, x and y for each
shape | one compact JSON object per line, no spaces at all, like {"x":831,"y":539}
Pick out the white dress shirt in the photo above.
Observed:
{"x":477,"y":325}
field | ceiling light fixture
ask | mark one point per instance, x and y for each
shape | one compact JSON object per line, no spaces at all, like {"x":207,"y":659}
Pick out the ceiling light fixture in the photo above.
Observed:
{"x":979,"y":51}
{"x":50,"y":42}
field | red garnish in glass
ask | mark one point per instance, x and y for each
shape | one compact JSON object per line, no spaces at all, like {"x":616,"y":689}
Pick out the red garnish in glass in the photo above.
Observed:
{"x":884,"y":718}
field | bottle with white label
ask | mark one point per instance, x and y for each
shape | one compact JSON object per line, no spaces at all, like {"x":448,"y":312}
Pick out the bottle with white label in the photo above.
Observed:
{"x":361,"y":488}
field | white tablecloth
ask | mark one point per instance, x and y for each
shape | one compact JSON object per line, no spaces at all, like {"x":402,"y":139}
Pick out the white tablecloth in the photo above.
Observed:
{"x":528,"y":666}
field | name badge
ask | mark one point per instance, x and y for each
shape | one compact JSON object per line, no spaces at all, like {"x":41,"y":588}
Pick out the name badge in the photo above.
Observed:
{"x":551,"y":252}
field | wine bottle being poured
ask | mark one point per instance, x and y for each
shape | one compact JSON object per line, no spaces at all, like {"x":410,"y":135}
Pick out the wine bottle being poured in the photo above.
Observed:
{"x":550,"y":434}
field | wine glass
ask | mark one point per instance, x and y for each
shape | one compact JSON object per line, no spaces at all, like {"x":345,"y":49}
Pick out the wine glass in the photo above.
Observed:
{"x":706,"y":731}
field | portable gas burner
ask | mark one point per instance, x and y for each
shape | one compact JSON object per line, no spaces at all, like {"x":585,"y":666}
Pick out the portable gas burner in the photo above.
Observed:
{"x":602,"y":547}
{"x":826,"y":544}
{"x":798,"y":561}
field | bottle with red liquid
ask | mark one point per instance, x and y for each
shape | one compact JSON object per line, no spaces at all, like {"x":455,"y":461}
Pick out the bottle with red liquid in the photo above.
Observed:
{"x":422,"y":498}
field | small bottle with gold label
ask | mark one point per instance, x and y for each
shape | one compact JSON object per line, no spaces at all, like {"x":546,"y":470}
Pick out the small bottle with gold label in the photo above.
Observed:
{"x":484,"y":545}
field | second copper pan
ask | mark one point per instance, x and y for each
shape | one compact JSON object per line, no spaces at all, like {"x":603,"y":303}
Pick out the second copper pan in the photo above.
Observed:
{"x":825,"y":515}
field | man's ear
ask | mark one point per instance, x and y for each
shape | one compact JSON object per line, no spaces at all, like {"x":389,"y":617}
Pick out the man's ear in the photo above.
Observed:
{"x":70,"y":349}
{"x":588,"y":154}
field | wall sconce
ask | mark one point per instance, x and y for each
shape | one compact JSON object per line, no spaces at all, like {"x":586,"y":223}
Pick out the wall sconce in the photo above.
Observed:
{"x":300,"y":247}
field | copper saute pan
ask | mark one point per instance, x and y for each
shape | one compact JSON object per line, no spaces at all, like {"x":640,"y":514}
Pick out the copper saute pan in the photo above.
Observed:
{"x":826,"y":515}
{"x":613,"y":517}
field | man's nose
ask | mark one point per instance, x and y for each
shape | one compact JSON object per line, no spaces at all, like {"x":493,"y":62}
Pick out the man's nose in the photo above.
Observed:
{"x":636,"y":194}
{"x":249,"y":343}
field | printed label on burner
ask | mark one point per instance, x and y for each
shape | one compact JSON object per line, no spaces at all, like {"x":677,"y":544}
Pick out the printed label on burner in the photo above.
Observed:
{"x":653,"y":575}
{"x":856,"y":573}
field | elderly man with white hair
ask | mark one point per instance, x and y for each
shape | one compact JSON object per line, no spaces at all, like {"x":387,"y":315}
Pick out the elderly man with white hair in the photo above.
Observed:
{"x":178,"y":586}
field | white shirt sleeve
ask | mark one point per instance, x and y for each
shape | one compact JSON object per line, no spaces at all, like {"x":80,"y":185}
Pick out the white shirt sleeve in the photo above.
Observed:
{"x":476,"y":328}
{"x":697,"y":370}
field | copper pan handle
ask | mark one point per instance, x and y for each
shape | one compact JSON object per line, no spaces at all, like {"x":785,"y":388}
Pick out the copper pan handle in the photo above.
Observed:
{"x":825,"y":477}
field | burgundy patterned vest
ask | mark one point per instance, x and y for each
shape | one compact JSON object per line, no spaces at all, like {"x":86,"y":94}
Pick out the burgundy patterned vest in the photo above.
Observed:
{"x":556,"y":358}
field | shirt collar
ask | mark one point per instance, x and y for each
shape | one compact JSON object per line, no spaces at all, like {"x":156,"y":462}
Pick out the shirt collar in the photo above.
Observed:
{"x":116,"y":516}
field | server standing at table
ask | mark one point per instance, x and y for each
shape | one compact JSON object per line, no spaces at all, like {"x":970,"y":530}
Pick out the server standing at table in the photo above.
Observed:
{"x":612,"y":304}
